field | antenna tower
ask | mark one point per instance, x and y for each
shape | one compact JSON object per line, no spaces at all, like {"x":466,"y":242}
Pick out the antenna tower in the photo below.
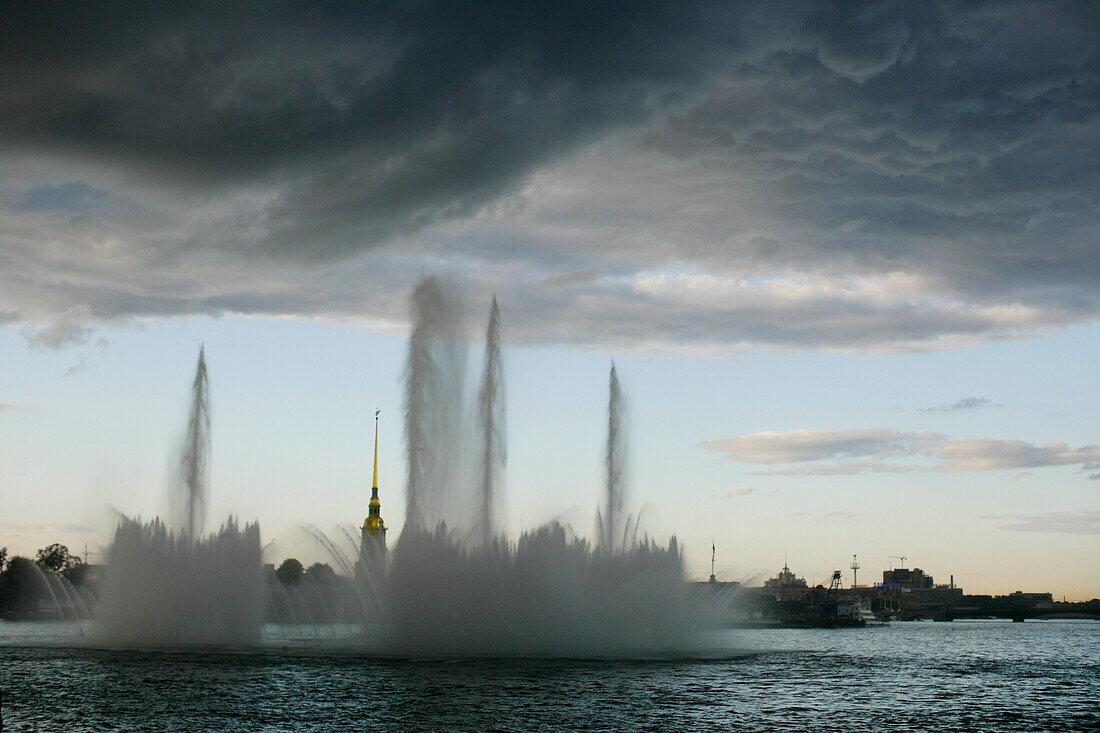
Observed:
{"x":855,"y":570}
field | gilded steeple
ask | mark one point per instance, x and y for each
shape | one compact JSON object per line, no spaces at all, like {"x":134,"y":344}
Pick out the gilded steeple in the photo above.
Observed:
{"x":374,"y":525}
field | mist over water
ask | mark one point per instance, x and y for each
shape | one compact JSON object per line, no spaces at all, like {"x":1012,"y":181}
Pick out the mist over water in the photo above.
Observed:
{"x":168,"y":588}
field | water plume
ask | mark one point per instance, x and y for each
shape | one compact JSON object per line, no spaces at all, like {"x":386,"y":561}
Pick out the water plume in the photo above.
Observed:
{"x":491,"y":417}
{"x":613,"y":526}
{"x":190,"y":500}
{"x":434,"y":408}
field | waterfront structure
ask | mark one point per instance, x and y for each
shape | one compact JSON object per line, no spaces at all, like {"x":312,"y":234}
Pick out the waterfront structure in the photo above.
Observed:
{"x":906,"y":578}
{"x":372,"y":545}
{"x":786,"y":585}
{"x":914,"y":591}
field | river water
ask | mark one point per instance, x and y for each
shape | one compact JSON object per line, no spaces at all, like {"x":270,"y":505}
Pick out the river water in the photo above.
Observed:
{"x":961,"y":676}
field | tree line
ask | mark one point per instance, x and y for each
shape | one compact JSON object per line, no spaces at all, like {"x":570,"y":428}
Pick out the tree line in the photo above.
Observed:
{"x":24,"y":582}
{"x":292,"y":572}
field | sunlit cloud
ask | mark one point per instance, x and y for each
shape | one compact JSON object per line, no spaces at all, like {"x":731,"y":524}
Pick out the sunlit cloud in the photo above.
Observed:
{"x":1076,"y":522}
{"x":825,"y":452}
{"x":11,"y":407}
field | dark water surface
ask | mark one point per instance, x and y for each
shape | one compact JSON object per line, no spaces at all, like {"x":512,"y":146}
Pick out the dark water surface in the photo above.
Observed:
{"x":962,"y":676}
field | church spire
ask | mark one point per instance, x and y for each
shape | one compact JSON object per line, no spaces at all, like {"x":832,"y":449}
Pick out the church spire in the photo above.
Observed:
{"x":374,"y":486}
{"x":372,"y":547}
{"x":374,"y":525}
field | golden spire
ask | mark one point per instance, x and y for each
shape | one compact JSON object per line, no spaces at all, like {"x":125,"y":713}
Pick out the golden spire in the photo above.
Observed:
{"x":374,"y":524}
{"x":375,"y":484}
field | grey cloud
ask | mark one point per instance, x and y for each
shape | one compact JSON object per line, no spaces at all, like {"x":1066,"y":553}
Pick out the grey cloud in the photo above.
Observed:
{"x":583,"y":275}
{"x":380,"y":118}
{"x":8,"y":406}
{"x":652,"y":176}
{"x":70,"y":328}
{"x":985,"y":454}
{"x":823,"y":452}
{"x":842,"y":468}
{"x":966,"y":403}
{"x":798,"y":446}
{"x":76,"y":368}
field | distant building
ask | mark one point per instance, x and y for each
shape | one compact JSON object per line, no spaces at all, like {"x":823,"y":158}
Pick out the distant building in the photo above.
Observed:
{"x":786,"y":586}
{"x":1033,"y":600}
{"x":914,"y":590}
{"x":940,"y":596}
{"x":906,"y":578}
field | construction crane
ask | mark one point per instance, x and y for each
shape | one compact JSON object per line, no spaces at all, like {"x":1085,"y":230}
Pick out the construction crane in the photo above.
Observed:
{"x":899,"y":557}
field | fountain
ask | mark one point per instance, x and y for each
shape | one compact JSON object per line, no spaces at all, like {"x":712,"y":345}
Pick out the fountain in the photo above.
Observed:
{"x":454,"y":584}
{"x":169,"y":587}
{"x":456,"y":587}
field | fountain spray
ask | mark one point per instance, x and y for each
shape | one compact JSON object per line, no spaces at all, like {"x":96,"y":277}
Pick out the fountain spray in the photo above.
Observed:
{"x":612,"y":527}
{"x":491,"y":414}
{"x":191,"y":500}
{"x":434,"y":411}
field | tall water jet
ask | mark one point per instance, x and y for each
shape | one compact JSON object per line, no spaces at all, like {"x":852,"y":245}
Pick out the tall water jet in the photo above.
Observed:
{"x":190,"y":501}
{"x":491,"y":418}
{"x":612,"y":525}
{"x":176,"y":586}
{"x":434,"y":378}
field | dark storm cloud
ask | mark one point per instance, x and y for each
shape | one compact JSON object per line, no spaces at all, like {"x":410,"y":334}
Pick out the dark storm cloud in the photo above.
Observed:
{"x":702,"y":176}
{"x":382,"y":115}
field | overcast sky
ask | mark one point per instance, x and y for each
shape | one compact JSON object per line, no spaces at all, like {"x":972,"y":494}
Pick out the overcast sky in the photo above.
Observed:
{"x":897,"y":186}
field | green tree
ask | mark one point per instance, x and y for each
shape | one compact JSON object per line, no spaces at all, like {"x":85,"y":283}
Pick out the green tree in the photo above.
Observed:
{"x":21,"y":586}
{"x":321,"y":573}
{"x":3,"y":558}
{"x":57,"y":558}
{"x":290,"y":572}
